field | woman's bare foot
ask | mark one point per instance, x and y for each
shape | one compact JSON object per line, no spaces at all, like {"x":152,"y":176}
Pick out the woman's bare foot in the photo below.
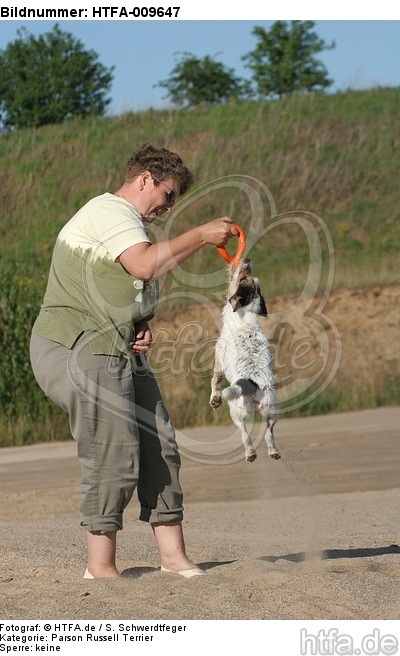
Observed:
{"x":101,"y":573}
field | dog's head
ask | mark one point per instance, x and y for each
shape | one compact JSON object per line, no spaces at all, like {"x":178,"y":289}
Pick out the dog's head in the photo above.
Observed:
{"x":244,"y":289}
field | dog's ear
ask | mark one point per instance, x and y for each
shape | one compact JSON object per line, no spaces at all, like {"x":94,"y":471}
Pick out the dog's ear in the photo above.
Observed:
{"x":263,"y":312}
{"x":235,"y":301}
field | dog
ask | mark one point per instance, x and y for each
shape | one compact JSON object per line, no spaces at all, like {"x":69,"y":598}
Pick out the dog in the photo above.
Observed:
{"x":243,"y":357}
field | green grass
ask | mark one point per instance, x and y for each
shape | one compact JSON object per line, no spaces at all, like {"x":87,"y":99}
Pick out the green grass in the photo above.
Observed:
{"x":340,"y":396}
{"x":335,"y":156}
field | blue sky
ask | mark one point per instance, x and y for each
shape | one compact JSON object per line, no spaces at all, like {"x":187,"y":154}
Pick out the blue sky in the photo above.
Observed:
{"x":367,"y":52}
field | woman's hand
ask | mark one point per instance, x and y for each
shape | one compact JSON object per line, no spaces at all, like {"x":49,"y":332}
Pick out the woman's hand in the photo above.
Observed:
{"x":143,"y":338}
{"x":218,"y":231}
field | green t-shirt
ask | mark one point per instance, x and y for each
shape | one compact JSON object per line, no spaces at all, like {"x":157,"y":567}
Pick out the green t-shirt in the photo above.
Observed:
{"x":88,"y":289}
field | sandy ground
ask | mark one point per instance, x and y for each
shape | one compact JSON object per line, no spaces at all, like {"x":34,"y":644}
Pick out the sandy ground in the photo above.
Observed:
{"x":313,"y":536}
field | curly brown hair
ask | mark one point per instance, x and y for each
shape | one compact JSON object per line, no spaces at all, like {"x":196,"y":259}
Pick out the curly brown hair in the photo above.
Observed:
{"x":161,"y":163}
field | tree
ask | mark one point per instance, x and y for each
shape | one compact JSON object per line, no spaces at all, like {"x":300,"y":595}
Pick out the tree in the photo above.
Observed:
{"x":194,"y":81}
{"x":284,"y":61}
{"x":49,"y":79}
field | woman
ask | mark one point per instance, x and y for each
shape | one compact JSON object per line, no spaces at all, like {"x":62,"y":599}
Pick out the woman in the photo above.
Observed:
{"x":93,"y":323}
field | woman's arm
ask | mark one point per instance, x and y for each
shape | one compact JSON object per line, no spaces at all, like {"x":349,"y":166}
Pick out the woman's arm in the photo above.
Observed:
{"x":151,"y":261}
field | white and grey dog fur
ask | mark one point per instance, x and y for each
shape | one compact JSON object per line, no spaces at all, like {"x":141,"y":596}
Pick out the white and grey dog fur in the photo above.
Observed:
{"x":243,"y":357}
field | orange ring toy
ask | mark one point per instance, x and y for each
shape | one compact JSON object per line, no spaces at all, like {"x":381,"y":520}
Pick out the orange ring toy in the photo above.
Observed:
{"x":240,"y":248}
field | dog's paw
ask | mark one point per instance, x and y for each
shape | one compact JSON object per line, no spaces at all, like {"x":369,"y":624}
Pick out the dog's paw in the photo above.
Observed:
{"x":215,"y":402}
{"x":275,"y":455}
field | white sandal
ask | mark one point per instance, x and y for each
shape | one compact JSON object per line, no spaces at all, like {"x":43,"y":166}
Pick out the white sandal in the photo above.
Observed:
{"x":187,"y":573}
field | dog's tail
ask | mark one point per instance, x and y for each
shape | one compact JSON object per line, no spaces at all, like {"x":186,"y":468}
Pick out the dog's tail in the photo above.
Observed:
{"x":242,"y":387}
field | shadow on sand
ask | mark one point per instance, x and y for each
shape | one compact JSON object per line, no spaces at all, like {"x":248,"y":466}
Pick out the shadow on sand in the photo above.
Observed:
{"x":331,"y":554}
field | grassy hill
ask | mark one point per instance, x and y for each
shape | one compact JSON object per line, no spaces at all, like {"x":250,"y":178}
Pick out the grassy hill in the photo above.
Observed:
{"x":334,"y":157}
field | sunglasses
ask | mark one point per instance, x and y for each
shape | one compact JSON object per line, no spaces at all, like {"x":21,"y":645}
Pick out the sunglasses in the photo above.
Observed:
{"x":170,"y":194}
